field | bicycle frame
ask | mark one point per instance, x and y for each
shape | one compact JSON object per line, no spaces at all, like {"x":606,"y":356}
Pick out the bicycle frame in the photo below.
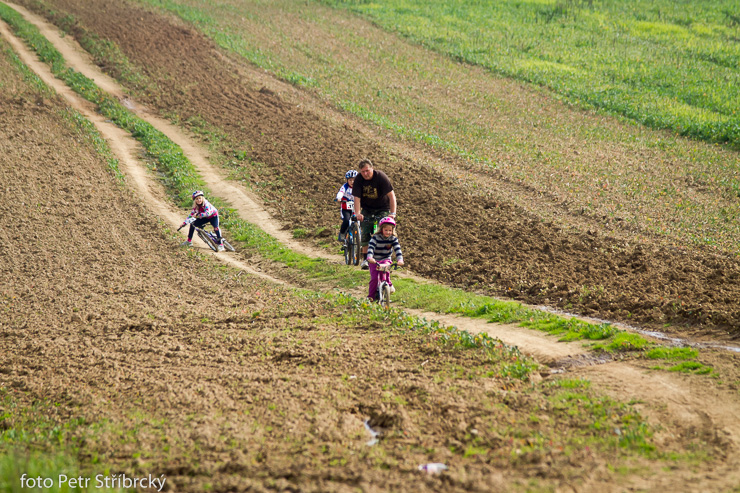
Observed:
{"x":384,"y":271}
{"x":209,"y":238}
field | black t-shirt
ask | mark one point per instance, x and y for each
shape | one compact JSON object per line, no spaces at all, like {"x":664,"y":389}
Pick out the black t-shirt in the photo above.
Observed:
{"x":373,"y":193}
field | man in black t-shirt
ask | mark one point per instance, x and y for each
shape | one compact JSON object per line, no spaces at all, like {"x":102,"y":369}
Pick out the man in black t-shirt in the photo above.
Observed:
{"x":374,"y":200}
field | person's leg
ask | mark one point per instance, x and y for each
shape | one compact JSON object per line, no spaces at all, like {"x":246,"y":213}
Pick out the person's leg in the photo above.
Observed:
{"x":214,"y":222}
{"x":385,"y":275}
{"x":366,"y":232}
{"x":371,"y":218}
{"x":372,"y":291}
{"x":198,"y":223}
{"x":346,"y":215}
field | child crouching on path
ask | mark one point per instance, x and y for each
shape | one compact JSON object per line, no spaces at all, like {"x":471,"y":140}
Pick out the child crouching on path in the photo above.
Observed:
{"x":203,"y":212}
{"x":382,"y":245}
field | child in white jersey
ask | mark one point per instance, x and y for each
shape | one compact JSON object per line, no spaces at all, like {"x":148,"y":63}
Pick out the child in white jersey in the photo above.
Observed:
{"x":344,"y":196}
{"x":382,"y":245}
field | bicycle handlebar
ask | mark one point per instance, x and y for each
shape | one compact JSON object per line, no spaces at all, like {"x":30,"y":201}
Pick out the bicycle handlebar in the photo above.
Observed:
{"x":387,"y":267}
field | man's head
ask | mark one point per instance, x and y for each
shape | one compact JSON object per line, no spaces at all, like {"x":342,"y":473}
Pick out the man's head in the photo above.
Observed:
{"x":366,"y":168}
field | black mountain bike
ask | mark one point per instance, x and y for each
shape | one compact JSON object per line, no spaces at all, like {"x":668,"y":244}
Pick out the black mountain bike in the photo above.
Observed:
{"x":352,"y":243}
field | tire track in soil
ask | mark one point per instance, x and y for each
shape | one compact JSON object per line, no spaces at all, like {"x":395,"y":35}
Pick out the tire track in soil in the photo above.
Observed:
{"x":124,"y":147}
{"x":682,"y":404}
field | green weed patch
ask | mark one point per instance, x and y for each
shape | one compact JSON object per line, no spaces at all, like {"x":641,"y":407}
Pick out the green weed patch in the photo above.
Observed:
{"x":624,"y":342}
{"x":605,"y":422}
{"x":38,"y":448}
{"x":672,"y":353}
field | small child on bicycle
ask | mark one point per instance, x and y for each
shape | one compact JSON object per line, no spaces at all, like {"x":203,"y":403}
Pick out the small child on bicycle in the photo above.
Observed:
{"x":203,"y":212}
{"x":382,"y":245}
{"x":344,"y":196}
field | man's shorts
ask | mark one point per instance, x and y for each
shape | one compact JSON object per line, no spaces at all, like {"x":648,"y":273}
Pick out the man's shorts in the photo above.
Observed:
{"x":370,"y":222}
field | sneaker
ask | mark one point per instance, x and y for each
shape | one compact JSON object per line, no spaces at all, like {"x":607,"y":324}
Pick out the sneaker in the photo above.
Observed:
{"x":186,"y":243}
{"x":221,"y":248}
{"x":364,"y":265}
{"x":340,"y":238}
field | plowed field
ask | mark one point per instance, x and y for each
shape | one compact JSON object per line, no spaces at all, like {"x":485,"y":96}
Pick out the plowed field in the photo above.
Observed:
{"x":216,"y":373}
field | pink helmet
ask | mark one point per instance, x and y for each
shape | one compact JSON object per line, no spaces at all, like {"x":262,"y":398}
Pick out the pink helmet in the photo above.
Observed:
{"x":386,"y":220}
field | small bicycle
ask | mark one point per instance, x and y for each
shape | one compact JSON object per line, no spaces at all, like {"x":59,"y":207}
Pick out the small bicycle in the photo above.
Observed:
{"x":210,"y":238}
{"x":384,"y":286}
{"x":351,"y":245}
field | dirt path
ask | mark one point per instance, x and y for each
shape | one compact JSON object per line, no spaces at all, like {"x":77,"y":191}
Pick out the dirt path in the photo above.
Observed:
{"x":684,"y":404}
{"x":122,"y":144}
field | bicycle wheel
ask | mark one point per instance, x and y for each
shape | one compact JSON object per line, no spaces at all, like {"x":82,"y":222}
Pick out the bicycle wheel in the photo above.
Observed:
{"x":207,"y":239}
{"x":384,"y":295}
{"x":356,"y":248}
{"x":349,"y":250}
{"x":227,"y":245}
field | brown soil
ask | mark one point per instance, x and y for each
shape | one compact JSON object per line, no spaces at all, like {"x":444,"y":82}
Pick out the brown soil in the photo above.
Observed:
{"x":103,"y":313}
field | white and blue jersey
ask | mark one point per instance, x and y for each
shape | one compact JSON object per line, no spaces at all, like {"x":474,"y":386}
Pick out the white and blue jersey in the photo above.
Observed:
{"x":344,"y":195}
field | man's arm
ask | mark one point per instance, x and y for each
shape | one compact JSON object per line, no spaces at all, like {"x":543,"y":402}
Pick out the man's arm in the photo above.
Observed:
{"x":357,"y":209}
{"x":392,"y":198}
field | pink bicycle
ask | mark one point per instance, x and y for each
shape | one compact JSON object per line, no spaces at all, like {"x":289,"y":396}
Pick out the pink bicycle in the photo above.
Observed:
{"x":384,"y":282}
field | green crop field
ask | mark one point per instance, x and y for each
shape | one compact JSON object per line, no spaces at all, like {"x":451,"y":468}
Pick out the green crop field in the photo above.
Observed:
{"x":667,"y":64}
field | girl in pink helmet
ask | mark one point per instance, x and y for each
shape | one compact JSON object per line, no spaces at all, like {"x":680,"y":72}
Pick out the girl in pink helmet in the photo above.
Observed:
{"x":382,"y":245}
{"x":203,"y":212}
